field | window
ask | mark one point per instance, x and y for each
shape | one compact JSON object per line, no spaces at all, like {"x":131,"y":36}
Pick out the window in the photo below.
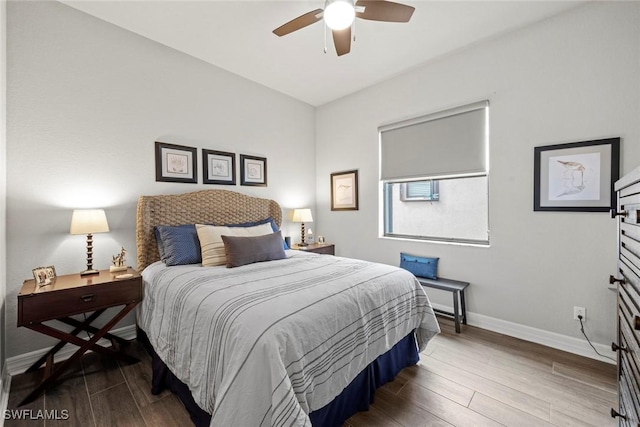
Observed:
{"x":434,"y":175}
{"x":419,"y":191}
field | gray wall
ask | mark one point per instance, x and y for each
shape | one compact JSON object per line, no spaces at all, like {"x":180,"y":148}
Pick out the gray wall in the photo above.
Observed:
{"x":570,"y":78}
{"x":86,"y":101}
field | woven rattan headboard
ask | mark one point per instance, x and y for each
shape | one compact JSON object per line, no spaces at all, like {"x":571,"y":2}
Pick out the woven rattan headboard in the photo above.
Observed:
{"x":202,"y":207}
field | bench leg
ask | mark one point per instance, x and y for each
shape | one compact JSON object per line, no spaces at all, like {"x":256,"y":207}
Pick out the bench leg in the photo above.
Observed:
{"x":464,"y":308}
{"x":456,"y":315}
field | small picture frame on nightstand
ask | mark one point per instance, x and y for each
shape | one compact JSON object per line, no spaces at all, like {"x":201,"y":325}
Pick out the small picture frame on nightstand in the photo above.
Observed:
{"x":44,"y":275}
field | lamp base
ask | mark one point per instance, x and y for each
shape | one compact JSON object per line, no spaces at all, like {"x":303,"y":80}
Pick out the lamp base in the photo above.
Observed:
{"x":89,"y":272}
{"x":303,"y":244}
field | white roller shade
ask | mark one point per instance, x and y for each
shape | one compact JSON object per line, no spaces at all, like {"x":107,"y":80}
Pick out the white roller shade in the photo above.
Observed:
{"x":451,"y":142}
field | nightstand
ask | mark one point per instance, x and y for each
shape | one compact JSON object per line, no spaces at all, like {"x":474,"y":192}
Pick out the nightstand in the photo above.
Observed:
{"x":74,"y":294}
{"x":317,"y":248}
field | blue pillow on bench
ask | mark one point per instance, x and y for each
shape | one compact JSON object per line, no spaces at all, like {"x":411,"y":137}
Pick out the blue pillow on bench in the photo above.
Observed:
{"x":420,"y":266}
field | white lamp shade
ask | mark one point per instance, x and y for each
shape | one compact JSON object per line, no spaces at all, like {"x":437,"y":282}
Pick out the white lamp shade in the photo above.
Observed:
{"x":302,"y":215}
{"x":89,"y":221}
{"x":339,"y":14}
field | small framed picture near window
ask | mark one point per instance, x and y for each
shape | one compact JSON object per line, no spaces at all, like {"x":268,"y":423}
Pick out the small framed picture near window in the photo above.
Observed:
{"x":578,"y":176}
{"x":175,"y":163}
{"x":44,"y":275}
{"x":218,"y":167}
{"x":253,"y":170}
{"x":344,"y":191}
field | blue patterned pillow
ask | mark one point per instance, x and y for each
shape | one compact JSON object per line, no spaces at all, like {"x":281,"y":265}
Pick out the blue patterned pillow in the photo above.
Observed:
{"x":159,"y":242}
{"x":178,"y":244}
{"x":420,"y":266}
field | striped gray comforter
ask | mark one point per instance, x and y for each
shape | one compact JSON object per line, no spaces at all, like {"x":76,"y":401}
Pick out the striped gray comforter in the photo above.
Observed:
{"x":267,"y":343}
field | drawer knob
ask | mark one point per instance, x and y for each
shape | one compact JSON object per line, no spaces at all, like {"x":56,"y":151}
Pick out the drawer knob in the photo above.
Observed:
{"x":616,"y":347}
{"x":615,"y":213}
{"x":615,"y":413}
{"x":613,"y":280}
{"x":87,"y":298}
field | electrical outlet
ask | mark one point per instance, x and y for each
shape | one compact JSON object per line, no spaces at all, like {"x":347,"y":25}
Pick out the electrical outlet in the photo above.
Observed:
{"x":580,"y":311}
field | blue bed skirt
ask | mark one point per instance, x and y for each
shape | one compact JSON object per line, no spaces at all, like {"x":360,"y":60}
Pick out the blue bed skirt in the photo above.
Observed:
{"x":356,"y":397}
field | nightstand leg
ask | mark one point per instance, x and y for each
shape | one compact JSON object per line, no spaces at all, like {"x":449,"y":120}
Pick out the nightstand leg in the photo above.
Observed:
{"x":85,"y":326}
{"x":84,"y":346}
{"x":48,"y":367}
{"x":61,"y":344}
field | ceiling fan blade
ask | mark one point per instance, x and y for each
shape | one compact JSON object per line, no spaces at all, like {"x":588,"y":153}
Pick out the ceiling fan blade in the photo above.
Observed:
{"x":387,"y":11}
{"x":299,"y":22}
{"x":342,"y":41}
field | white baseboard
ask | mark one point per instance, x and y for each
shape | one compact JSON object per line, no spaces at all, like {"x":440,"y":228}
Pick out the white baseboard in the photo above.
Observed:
{"x":550,"y":339}
{"x":18,"y":364}
{"x":5,"y":387}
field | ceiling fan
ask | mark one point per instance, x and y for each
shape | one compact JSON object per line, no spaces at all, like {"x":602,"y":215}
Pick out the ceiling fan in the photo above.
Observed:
{"x":339,"y":16}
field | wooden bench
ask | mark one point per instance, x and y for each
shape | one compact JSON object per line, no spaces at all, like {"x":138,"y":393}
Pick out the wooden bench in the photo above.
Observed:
{"x":457,"y":288}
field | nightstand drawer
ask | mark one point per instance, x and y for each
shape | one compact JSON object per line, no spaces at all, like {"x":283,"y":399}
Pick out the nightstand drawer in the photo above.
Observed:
{"x":38,"y":307}
{"x":325,"y":250}
{"x":317,"y":248}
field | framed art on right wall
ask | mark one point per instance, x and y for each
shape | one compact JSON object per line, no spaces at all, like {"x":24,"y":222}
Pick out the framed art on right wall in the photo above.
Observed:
{"x":577,"y":176}
{"x":344,"y":191}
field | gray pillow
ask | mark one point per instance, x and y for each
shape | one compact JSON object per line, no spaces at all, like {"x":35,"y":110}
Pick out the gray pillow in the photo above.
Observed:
{"x":241,"y":250}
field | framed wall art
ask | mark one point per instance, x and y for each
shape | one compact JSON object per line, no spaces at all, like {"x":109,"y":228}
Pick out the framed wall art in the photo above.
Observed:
{"x":176,"y":163}
{"x":253,"y":170}
{"x":344,"y":191}
{"x":578,"y":176}
{"x":218,"y":167}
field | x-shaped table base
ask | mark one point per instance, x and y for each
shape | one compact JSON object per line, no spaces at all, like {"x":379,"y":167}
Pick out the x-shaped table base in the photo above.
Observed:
{"x":51,"y":374}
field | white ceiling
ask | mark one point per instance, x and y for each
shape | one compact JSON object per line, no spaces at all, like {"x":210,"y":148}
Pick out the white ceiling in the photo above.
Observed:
{"x":237,"y":36}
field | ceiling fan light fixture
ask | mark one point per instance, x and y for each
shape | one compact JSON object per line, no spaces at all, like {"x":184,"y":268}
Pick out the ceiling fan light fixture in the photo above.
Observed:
{"x":339,"y":14}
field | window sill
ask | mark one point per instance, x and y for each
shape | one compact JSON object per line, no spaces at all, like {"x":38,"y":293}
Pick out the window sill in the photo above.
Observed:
{"x":478,"y":244}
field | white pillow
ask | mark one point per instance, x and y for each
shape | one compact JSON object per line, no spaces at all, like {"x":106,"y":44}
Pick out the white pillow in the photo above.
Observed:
{"x":211,"y":243}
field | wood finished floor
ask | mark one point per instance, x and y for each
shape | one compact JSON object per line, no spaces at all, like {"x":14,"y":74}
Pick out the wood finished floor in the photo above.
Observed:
{"x":476,"y":378}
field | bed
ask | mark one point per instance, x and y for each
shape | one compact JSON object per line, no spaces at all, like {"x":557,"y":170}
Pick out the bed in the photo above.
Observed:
{"x":299,"y":340}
